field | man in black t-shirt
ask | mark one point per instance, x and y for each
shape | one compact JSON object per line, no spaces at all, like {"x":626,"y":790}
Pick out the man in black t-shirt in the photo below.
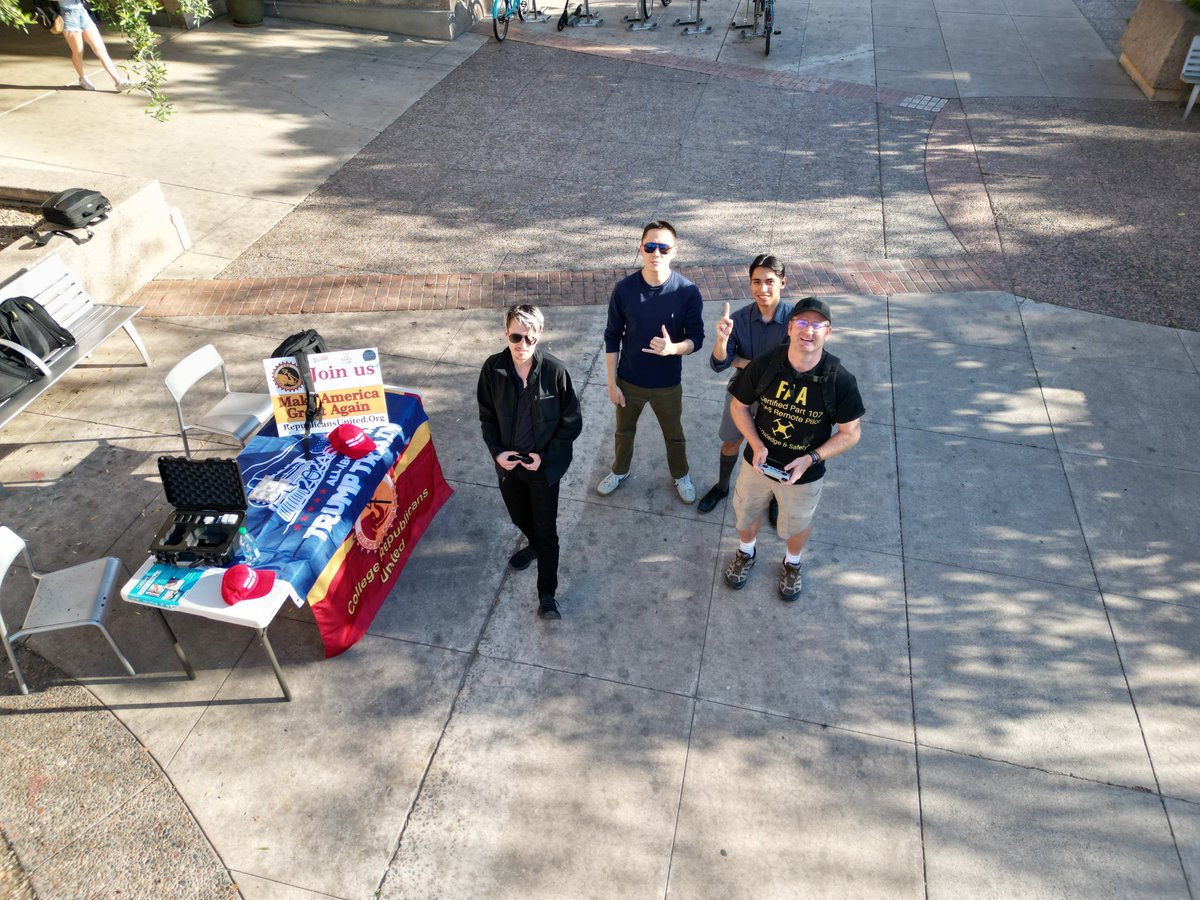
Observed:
{"x":809,"y":411}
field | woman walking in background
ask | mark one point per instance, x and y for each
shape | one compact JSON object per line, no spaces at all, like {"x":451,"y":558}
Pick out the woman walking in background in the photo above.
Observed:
{"x":79,"y":27}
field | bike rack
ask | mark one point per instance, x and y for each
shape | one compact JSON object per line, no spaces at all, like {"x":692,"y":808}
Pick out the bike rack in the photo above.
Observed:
{"x":695,"y":20}
{"x":535,"y":15}
{"x":637,"y":23}
{"x":756,"y":32}
{"x":583,"y":17}
{"x":747,"y":24}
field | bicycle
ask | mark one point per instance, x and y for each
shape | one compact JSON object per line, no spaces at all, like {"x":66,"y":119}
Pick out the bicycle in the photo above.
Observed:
{"x":502,"y":13}
{"x":763,"y":22}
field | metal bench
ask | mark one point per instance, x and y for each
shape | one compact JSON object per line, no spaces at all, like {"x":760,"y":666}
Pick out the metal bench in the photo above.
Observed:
{"x":52,"y":285}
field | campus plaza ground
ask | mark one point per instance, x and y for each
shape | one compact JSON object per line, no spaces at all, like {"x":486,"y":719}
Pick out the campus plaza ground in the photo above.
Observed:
{"x":988,"y":687}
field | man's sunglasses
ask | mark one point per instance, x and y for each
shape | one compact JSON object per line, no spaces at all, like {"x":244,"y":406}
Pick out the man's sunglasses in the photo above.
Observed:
{"x":529,"y":339}
{"x":651,"y":246}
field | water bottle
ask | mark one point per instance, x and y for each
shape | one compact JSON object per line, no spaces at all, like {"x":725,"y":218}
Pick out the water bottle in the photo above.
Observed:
{"x":250,"y":552}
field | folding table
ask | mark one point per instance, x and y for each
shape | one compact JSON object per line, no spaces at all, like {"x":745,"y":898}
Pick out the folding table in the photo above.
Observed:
{"x":204,"y":599}
{"x":337,"y":537}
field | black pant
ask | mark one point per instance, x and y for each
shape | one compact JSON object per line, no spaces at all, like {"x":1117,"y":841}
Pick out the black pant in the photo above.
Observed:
{"x":533,"y":507}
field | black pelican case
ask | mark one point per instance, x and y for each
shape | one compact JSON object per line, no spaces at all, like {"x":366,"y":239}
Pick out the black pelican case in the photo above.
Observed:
{"x":210,"y":506}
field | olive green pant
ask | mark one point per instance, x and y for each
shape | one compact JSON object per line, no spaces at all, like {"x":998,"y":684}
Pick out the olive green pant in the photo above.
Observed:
{"x":667,"y":404}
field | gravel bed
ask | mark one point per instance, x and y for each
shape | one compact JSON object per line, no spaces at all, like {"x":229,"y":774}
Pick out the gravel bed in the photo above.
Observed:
{"x":14,"y":885}
{"x":15,"y":221}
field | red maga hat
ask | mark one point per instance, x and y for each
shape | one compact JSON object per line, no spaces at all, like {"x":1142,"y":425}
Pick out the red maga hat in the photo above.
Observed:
{"x":350,"y":440}
{"x":241,"y":582}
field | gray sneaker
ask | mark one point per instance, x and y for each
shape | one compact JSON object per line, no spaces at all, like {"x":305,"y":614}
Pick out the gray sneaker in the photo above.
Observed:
{"x":86,"y":84}
{"x":687,"y":490}
{"x":738,"y":570}
{"x":790,"y":581}
{"x":610,"y":483}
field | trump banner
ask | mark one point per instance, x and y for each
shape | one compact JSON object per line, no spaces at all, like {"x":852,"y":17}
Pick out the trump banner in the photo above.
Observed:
{"x":341,"y":529}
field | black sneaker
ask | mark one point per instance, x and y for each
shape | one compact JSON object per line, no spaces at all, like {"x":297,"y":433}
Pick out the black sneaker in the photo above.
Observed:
{"x":710,"y":500}
{"x":522,"y":558}
{"x":548,"y":608}
{"x":773,"y":512}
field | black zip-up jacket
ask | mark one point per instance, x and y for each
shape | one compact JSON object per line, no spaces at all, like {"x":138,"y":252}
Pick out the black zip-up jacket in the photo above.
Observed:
{"x":557,"y":419}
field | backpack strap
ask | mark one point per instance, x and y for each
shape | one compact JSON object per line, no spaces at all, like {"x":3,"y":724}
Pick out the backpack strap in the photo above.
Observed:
{"x":778,"y":362}
{"x":313,"y":411}
{"x":828,"y":381}
{"x":41,"y":239}
{"x":829,"y":384}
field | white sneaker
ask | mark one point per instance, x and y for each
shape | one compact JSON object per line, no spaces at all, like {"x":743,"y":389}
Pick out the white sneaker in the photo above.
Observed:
{"x":611,"y":482}
{"x":687,"y":490}
{"x":85,"y":84}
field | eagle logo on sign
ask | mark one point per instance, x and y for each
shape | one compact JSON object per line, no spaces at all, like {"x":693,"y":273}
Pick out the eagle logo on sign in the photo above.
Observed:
{"x":287,"y":376}
{"x":375,"y":520}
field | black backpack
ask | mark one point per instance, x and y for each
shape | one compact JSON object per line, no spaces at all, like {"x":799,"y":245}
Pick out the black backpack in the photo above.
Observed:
{"x":44,"y":11}
{"x":76,"y":208}
{"x":15,"y":372}
{"x":72,"y":208}
{"x":24,"y":321}
{"x":300,"y":345}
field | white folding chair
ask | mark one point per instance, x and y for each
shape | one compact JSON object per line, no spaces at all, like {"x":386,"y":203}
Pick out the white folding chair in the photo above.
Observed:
{"x":64,"y":599}
{"x":1191,"y":73}
{"x":235,"y":415}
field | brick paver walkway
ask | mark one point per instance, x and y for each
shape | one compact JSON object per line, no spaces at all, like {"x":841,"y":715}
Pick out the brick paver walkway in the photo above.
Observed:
{"x":496,"y":290}
{"x":364,"y":293}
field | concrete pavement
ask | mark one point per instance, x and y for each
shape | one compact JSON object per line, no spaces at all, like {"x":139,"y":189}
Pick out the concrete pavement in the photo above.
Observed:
{"x":263,"y":117}
{"x":987,"y":689}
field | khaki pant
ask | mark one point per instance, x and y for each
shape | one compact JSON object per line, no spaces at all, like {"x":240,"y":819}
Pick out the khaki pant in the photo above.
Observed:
{"x":797,"y":502}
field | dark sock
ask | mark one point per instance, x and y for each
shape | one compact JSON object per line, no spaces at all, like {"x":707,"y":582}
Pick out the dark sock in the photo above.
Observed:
{"x":727,"y":464}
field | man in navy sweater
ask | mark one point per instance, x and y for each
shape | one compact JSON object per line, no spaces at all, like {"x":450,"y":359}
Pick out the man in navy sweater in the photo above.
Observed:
{"x":654,"y":319}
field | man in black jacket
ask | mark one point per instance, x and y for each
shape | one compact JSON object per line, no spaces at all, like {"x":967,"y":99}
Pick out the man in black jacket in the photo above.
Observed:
{"x":530,"y":417}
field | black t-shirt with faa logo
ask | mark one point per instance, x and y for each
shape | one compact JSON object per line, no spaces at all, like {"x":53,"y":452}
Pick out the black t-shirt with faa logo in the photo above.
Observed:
{"x":795,"y":413}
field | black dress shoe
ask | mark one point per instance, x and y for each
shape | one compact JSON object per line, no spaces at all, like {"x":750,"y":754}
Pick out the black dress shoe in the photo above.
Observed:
{"x":522,"y":558}
{"x":773,"y":512}
{"x":548,"y":608}
{"x":710,"y":500}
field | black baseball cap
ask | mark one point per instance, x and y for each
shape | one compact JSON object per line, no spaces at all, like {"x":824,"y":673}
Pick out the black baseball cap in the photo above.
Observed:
{"x":811,"y":304}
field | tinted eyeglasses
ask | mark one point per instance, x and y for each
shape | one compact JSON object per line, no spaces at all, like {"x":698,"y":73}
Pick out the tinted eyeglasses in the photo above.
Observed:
{"x":805,"y":324}
{"x":529,"y":339}
{"x":651,"y":247}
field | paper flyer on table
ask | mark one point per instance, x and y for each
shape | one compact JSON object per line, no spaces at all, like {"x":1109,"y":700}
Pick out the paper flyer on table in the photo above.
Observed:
{"x":164,"y":585}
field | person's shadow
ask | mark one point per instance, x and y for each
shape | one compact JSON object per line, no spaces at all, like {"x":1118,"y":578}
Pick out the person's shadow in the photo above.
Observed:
{"x":38,"y":87}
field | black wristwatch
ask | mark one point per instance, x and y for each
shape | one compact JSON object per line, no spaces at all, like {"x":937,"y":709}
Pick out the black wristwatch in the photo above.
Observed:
{"x":815,"y":457}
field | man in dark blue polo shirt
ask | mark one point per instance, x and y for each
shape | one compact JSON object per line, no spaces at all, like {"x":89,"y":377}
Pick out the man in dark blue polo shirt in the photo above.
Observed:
{"x":655,"y":317}
{"x":754,"y":329}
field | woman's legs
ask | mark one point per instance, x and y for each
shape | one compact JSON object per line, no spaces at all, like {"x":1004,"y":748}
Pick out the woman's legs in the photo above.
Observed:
{"x":74,"y":41}
{"x":92,"y":35}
